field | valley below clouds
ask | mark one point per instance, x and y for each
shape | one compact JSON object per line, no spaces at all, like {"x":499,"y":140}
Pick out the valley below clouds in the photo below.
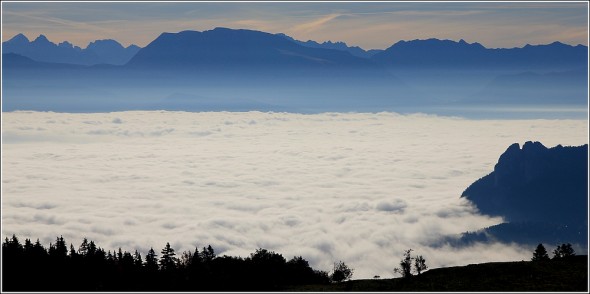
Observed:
{"x":356,"y":187}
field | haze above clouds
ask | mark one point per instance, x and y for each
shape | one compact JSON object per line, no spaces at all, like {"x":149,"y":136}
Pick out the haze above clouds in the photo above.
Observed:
{"x":357,"y":187}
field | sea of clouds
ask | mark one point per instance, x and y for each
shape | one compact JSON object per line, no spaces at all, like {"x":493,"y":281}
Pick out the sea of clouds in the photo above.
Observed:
{"x":356,"y":187}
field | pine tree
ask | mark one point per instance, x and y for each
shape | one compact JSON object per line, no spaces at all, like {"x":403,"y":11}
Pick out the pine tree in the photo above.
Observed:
{"x":151,"y":263}
{"x":137,"y":259}
{"x":208,"y":254}
{"x":59,"y":249}
{"x":38,"y":250}
{"x":83,"y":249}
{"x":73,"y":253}
{"x":13,"y":244}
{"x":92,"y":249}
{"x":168,"y":261}
{"x":186,"y":259}
{"x":540,"y":253}
{"x":28,"y":246}
{"x":196,"y":258}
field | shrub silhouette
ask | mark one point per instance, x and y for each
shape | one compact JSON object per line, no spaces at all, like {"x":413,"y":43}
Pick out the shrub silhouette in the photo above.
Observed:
{"x":420,"y":264}
{"x":563,"y":251}
{"x":341,"y":272}
{"x":405,"y":264}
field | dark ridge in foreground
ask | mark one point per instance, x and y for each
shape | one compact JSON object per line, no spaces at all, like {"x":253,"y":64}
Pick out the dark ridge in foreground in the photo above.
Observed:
{"x":32,"y":267}
{"x":556,"y":275}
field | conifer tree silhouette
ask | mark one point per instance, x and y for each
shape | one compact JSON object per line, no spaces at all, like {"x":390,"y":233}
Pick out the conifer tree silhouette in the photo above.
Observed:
{"x":540,"y":253}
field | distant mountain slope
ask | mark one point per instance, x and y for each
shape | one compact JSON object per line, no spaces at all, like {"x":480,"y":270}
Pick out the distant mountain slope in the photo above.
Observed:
{"x":112,"y":52}
{"x":354,"y":50}
{"x":13,"y":61}
{"x":435,"y":53}
{"x":43,"y":50}
{"x":248,"y":50}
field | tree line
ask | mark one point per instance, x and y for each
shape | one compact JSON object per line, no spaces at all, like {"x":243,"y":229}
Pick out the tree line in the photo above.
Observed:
{"x":562,"y":251}
{"x":32,"y":267}
{"x":29,"y":266}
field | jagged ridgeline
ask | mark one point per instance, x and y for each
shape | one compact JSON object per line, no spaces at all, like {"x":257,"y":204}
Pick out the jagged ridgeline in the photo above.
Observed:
{"x":541,"y":192}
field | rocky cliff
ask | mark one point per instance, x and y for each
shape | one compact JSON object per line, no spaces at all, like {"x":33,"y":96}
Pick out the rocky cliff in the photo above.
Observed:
{"x":535,"y":183}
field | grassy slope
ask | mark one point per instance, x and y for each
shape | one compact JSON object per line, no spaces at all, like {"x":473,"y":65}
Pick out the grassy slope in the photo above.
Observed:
{"x":554,"y":275}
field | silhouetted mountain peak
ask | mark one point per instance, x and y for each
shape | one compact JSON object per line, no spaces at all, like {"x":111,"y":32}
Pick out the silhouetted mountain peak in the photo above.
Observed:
{"x":133,"y":47}
{"x":68,"y":45}
{"x":106,"y":43}
{"x":535,"y":183}
{"x":65,"y":44}
{"x":522,"y":164}
{"x":430,"y":46}
{"x":42,"y":39}
{"x":19,"y":39}
{"x":542,"y":193}
{"x":533,"y":147}
{"x":557,"y":43}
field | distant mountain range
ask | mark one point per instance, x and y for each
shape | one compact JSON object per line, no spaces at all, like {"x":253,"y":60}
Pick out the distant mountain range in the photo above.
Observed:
{"x":434,"y":53}
{"x":354,"y":50}
{"x":541,"y":192}
{"x":276,"y":71}
{"x":43,"y":50}
{"x":261,"y":48}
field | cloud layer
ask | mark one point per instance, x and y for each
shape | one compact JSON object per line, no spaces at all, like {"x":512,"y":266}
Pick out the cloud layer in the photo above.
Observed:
{"x":361,"y":188}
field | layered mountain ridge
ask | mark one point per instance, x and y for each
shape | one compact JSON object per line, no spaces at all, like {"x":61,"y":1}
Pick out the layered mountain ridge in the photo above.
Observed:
{"x":274,"y":71}
{"x":97,"y":52}
{"x":430,"y":53}
{"x":434,"y":53}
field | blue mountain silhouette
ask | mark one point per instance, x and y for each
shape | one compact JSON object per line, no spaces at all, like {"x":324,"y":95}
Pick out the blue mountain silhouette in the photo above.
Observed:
{"x":13,"y":61}
{"x":435,"y":53}
{"x":112,"y":52}
{"x":43,"y":50}
{"x":223,"y":48}
{"x":354,"y":50}
{"x":541,"y":192}
{"x":535,"y":183}
{"x":275,"y":70}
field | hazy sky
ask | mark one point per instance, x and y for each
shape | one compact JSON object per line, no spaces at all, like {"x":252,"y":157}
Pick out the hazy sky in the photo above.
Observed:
{"x":368,"y":25}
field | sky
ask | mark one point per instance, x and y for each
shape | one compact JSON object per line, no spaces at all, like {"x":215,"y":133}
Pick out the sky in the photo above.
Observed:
{"x":356,"y":187}
{"x":368,"y":25}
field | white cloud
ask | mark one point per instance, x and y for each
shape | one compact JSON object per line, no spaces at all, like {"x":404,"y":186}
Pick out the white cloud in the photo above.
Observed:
{"x":361,"y":188}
